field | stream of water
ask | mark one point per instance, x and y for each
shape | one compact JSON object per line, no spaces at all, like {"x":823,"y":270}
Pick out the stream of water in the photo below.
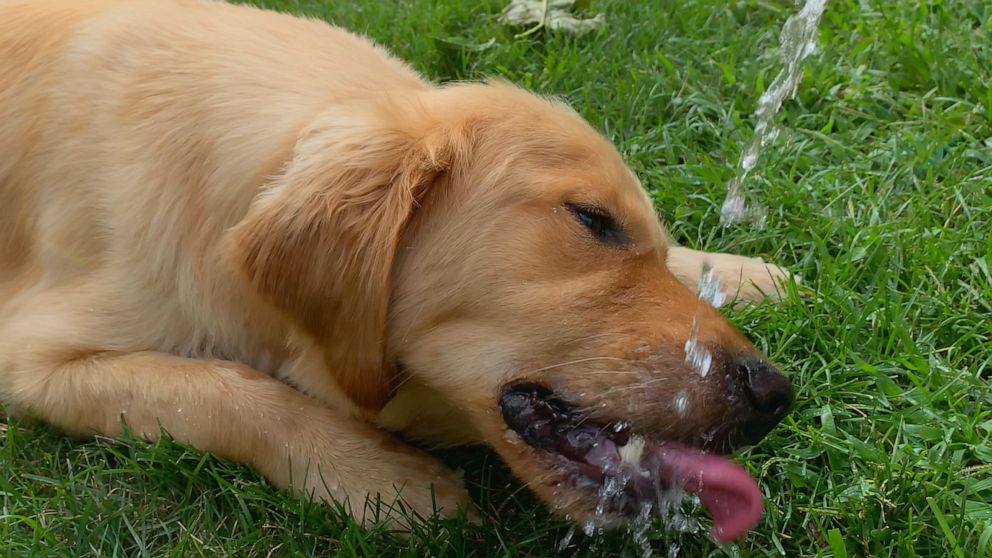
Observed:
{"x":796,"y":42}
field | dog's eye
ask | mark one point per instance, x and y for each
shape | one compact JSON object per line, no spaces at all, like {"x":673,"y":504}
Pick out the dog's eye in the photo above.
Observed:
{"x":599,"y":223}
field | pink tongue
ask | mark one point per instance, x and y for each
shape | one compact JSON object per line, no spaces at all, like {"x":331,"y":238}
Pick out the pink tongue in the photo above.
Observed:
{"x":724,"y":488}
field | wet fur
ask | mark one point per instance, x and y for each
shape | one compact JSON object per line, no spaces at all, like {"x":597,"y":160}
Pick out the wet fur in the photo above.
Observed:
{"x":272,"y":239}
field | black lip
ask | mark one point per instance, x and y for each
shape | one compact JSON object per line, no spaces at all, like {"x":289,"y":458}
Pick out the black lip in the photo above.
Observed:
{"x":552,"y":424}
{"x":531,"y":411}
{"x":565,"y":442}
{"x":549,"y":423}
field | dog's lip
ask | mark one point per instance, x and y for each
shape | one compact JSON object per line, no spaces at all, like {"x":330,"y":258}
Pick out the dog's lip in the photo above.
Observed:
{"x":589,"y":454}
{"x":549,"y":423}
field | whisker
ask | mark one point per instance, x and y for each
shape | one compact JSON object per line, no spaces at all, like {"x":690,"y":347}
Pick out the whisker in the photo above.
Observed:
{"x":619,"y":372}
{"x":635,"y":386}
{"x":577,"y":361}
{"x":405,"y":377}
{"x":600,"y":335}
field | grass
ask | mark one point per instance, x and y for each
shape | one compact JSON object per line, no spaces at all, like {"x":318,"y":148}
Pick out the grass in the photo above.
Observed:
{"x":879,"y":192}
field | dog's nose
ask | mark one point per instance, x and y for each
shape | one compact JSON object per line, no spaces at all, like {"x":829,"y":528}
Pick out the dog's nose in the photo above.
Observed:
{"x":767,"y":388}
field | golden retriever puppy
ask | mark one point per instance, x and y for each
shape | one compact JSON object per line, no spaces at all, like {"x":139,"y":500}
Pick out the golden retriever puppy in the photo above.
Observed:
{"x":276,"y":242}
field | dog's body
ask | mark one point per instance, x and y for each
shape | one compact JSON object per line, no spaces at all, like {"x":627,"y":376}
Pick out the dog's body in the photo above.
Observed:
{"x":256,"y":232}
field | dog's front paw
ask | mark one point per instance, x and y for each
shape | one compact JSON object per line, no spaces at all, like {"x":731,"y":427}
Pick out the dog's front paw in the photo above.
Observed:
{"x":750,"y":279}
{"x":384,"y":482}
{"x":424,"y":487}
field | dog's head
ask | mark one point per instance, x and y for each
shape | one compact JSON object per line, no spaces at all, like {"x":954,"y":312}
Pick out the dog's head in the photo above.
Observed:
{"x":489,"y":248}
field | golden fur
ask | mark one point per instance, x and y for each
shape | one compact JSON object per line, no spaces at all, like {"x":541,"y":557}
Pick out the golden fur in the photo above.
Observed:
{"x":275,"y":241}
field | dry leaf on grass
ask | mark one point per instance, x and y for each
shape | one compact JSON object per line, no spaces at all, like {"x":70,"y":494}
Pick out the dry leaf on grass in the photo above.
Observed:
{"x":557,"y":15}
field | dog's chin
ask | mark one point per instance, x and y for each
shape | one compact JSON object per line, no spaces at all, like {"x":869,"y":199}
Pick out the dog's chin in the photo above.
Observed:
{"x":608,"y":473}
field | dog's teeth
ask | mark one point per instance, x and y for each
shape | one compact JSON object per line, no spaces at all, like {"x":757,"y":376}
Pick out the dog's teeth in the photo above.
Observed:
{"x":631,"y":452}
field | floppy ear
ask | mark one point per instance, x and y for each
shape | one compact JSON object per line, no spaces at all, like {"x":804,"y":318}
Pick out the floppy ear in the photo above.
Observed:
{"x":321,"y":240}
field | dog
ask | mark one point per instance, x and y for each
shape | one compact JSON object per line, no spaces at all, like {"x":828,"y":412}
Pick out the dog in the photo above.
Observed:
{"x":281,"y":245}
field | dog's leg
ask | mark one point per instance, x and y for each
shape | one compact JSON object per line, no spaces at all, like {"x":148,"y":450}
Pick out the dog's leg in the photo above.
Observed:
{"x":229,"y":410}
{"x":741,"y":277}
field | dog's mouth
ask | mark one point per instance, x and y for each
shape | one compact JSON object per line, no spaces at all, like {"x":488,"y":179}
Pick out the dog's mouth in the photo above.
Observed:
{"x":590,"y":455}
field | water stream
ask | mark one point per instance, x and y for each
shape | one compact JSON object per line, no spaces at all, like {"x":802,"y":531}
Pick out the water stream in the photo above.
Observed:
{"x":796,"y":42}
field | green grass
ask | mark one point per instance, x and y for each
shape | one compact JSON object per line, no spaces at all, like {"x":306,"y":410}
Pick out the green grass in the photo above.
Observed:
{"x":879,"y":192}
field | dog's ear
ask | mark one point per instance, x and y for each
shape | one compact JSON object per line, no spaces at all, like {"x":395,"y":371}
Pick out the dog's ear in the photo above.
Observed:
{"x":320,"y":242}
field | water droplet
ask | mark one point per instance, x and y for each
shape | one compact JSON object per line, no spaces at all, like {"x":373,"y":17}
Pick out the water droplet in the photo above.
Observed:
{"x":697,"y":357}
{"x":681,"y":403}
{"x":567,"y":539}
{"x":749,"y":160}
{"x":589,"y":527}
{"x":666,"y":504}
{"x":770,"y":137}
{"x":639,"y":529}
{"x":709,"y":289}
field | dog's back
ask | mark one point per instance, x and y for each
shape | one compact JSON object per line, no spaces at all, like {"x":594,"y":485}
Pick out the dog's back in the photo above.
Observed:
{"x":32,"y":35}
{"x":122,"y":127}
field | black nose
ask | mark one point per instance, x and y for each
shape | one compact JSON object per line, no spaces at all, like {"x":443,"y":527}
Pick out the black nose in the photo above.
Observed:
{"x":766,"y":388}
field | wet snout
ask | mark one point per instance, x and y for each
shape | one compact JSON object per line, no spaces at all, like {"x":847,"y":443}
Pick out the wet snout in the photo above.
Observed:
{"x":766,"y":387}
{"x":728,"y":394}
{"x":654,"y":387}
{"x":698,"y":382}
{"x":763,"y":393}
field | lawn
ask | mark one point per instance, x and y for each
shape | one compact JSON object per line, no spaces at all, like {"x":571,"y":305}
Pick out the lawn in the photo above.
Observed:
{"x":878,"y":192}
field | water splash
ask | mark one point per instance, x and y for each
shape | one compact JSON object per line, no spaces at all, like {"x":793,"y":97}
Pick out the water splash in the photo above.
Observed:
{"x":567,"y":539}
{"x":612,"y":487}
{"x":639,"y":529}
{"x":709,"y":289}
{"x":681,"y":403}
{"x":672,"y":510}
{"x":610,"y":490}
{"x":669,"y":507}
{"x":697,"y":357}
{"x":796,"y":42}
{"x":590,"y":527}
